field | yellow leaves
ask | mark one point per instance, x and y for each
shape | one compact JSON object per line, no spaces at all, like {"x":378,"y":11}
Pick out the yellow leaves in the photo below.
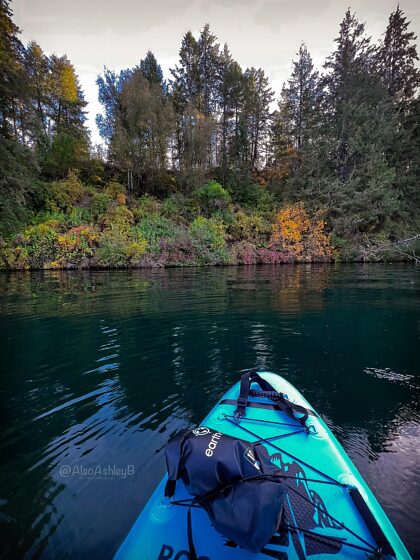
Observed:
{"x":53,"y":265}
{"x":68,"y":84}
{"x":136,"y":249}
{"x":301,"y":236}
{"x":292,"y":223}
{"x":62,"y":240}
{"x":63,"y":80}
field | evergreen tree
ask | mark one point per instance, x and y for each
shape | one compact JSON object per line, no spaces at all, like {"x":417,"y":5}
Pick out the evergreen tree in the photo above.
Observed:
{"x":18,"y":166}
{"x":185,"y":92}
{"x":186,"y":76}
{"x":408,"y":162}
{"x":397,"y":56}
{"x":256,"y":115}
{"x":230,"y":97}
{"x":282,"y":152}
{"x":194,"y":94}
{"x":295,"y":124}
{"x":348,"y":67}
{"x":68,"y":139}
{"x":209,"y":77}
{"x":360,"y":130}
{"x":300,"y":100}
{"x":37,"y":69}
{"x":209,"y":71}
{"x":12,"y":78}
{"x":152,"y":70}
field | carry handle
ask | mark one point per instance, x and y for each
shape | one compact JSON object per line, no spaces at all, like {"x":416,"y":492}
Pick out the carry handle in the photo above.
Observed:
{"x":247,"y":378}
{"x":268,"y":391}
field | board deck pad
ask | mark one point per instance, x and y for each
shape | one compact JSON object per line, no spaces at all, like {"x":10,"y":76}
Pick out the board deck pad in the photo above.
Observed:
{"x":316,"y":514}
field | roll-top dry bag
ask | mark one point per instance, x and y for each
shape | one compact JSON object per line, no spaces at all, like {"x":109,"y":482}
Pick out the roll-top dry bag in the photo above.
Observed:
{"x":232,"y":479}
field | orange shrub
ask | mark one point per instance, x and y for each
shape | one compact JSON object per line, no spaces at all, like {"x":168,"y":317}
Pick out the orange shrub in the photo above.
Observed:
{"x":299,"y":235}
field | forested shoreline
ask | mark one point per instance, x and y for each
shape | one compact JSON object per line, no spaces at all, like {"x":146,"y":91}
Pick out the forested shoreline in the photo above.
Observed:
{"x":205,"y":166}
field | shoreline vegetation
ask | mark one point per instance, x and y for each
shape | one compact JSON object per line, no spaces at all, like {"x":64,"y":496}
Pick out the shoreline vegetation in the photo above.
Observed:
{"x":201,"y":168}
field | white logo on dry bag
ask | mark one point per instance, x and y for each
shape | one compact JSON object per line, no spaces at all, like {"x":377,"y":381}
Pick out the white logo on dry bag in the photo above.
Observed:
{"x":251,"y":458}
{"x":201,"y":431}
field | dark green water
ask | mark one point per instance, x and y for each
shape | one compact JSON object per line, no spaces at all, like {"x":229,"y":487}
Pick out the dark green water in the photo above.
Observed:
{"x":99,"y":369}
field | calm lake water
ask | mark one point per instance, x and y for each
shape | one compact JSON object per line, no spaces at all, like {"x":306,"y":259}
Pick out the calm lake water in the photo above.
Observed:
{"x":99,"y":370}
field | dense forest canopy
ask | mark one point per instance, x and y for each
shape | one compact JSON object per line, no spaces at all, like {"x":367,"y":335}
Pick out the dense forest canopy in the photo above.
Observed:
{"x":206,"y":161}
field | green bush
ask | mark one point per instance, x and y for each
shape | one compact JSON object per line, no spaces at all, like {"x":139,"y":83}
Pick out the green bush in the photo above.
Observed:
{"x":145,"y":206}
{"x":41,"y":243}
{"x":18,"y":186}
{"x":13,"y":257}
{"x":78,"y":216}
{"x":253,"y":196}
{"x":119,"y":249}
{"x":75,"y":246}
{"x":65,"y":152}
{"x":119,"y":217}
{"x":180,"y":208}
{"x":225,"y":216}
{"x":154,"y":228}
{"x":62,"y":195}
{"x":46,"y":216}
{"x":249,"y":227}
{"x":100,"y":204}
{"x":211,"y":197}
{"x":163,"y":184}
{"x":209,"y":241}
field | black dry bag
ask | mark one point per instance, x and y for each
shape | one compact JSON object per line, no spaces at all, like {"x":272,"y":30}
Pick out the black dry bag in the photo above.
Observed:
{"x":232,"y":479}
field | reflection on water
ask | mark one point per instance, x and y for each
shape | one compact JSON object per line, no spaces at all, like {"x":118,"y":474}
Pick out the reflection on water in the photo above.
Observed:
{"x":99,"y":369}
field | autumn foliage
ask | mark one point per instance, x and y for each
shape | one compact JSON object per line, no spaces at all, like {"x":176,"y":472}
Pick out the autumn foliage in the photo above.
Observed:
{"x":300,"y":236}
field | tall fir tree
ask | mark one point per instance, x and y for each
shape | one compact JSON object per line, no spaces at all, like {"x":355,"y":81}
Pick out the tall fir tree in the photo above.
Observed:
{"x":256,"y":116}
{"x":300,"y":99}
{"x":12,"y":76}
{"x":209,"y":71}
{"x":18,"y":165}
{"x":68,"y":138}
{"x":66,"y":97}
{"x":152,"y":70}
{"x":186,"y":75}
{"x":185,"y":90}
{"x":37,"y":69}
{"x":361,"y":129}
{"x":194,"y":93}
{"x":347,"y":67}
{"x":397,"y":58}
{"x":230,"y":103}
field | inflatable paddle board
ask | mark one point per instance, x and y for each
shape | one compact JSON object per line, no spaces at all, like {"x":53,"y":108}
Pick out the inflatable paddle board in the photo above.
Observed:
{"x":330,"y":511}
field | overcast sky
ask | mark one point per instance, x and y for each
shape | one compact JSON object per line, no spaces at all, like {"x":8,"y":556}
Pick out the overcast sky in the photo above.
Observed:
{"x":261,"y":33}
